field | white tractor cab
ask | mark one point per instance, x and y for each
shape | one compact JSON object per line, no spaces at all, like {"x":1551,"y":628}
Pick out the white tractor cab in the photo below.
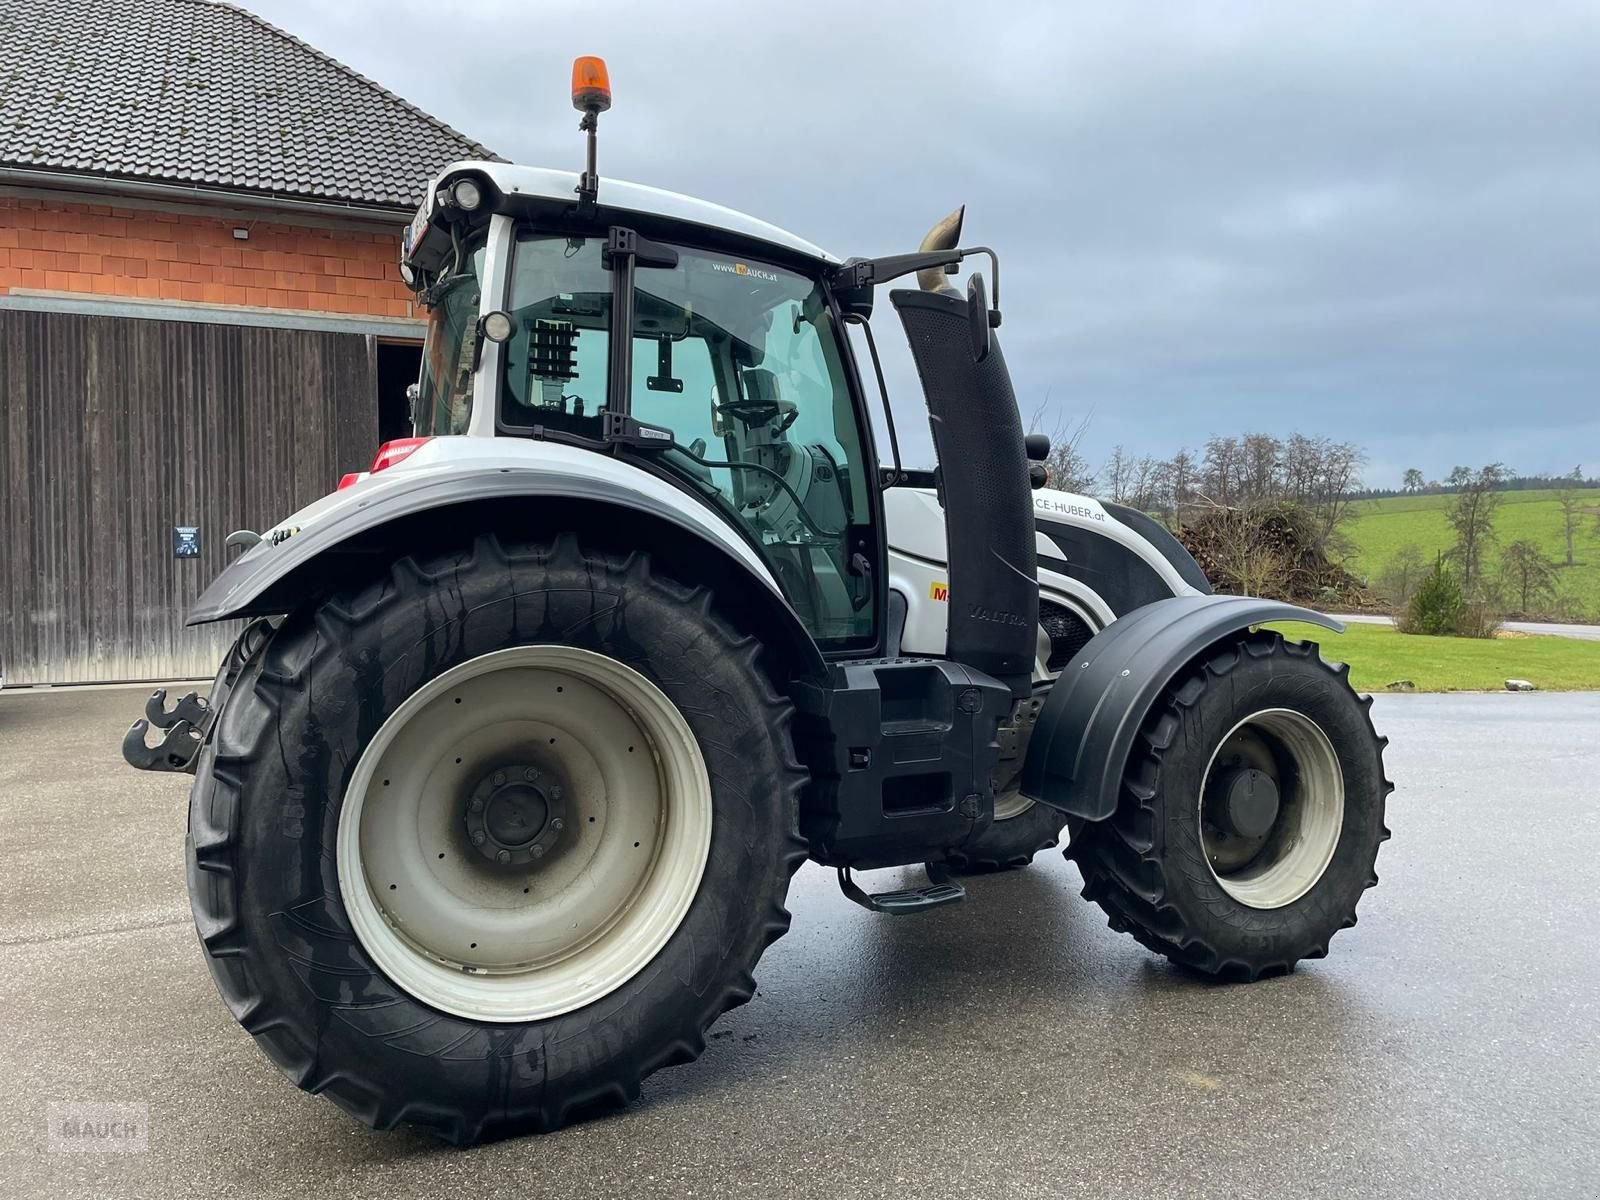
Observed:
{"x":497,"y":799}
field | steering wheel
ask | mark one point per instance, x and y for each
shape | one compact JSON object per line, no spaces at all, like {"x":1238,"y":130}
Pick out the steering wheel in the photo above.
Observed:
{"x":753,"y":412}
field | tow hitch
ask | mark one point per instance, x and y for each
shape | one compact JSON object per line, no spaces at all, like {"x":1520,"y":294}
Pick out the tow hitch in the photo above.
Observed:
{"x":186,"y":723}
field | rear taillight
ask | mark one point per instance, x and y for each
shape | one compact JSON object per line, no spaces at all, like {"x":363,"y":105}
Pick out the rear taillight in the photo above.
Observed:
{"x":388,"y":454}
{"x":396,"y":451}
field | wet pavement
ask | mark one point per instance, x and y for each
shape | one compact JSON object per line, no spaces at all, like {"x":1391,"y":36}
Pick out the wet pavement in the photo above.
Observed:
{"x":1010,"y":1046}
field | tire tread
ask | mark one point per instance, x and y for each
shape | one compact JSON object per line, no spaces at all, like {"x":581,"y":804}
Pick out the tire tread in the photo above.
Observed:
{"x":280,"y":665}
{"x":1122,"y":870}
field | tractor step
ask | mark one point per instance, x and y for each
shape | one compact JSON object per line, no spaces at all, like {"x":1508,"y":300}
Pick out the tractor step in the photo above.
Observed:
{"x":941,"y":889}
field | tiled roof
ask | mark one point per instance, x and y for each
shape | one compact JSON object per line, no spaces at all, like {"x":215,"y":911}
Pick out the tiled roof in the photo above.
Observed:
{"x":201,"y":93}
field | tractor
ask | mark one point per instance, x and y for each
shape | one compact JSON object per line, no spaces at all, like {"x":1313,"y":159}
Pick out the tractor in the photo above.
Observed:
{"x":498,"y":793}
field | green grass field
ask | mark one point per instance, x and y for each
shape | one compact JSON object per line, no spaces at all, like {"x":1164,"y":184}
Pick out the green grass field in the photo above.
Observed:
{"x":1380,"y":528}
{"x":1378,"y":655}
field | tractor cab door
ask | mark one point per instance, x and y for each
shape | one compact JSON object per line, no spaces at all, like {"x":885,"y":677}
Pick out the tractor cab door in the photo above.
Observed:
{"x":741,"y":362}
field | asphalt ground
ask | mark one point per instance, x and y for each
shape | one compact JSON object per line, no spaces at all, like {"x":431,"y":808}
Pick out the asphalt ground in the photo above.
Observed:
{"x":1009,"y":1046}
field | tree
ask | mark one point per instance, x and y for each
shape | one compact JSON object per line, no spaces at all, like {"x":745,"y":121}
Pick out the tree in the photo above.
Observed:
{"x":1118,"y":474}
{"x":1414,"y":481}
{"x":1471,"y":515}
{"x":1439,"y":608}
{"x":1262,"y":455}
{"x":1340,"y":475}
{"x":1180,"y":484}
{"x":1570,"y":496}
{"x":1223,"y":467}
{"x":1399,"y":580}
{"x":1144,"y":482}
{"x":1528,"y":573}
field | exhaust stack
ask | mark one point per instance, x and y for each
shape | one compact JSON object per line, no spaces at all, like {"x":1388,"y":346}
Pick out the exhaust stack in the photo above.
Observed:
{"x":983,"y":471}
{"x":946,"y":235}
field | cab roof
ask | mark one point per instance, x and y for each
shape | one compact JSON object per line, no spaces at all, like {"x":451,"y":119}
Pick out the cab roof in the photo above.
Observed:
{"x":561,"y":186}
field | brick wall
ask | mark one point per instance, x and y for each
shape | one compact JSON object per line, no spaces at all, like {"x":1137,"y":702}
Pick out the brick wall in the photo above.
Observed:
{"x":150,"y":254}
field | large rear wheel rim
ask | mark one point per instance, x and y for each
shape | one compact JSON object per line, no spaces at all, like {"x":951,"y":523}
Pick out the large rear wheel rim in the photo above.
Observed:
{"x":1287,"y":753}
{"x":524,"y":833}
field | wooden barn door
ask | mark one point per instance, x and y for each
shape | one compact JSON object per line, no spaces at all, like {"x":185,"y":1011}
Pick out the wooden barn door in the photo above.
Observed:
{"x":114,"y":431}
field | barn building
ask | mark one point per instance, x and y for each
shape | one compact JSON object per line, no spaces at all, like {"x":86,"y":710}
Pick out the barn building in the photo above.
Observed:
{"x":201,"y":321}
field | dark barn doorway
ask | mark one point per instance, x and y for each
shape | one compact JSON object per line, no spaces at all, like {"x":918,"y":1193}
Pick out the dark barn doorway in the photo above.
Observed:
{"x":398,"y":366}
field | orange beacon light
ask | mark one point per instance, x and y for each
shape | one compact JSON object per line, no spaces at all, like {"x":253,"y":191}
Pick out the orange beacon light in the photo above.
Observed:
{"x":591,"y":85}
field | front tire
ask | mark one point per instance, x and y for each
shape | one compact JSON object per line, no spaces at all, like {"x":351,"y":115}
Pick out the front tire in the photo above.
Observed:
{"x":1250,"y":815}
{"x":618,"y":863}
{"x":1021,"y":829}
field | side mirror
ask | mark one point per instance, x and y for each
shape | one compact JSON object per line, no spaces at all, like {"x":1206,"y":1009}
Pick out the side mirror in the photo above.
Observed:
{"x":413,"y":393}
{"x":978,"y":317}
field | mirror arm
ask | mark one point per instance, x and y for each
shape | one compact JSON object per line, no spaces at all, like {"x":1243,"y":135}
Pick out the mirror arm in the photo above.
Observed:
{"x":867,"y":272}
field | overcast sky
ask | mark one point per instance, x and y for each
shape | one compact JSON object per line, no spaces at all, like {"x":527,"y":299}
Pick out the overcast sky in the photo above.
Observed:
{"x":1369,"y":220}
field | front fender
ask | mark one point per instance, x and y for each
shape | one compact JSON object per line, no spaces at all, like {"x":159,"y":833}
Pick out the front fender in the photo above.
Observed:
{"x":1086,"y":730}
{"x":386,"y":516}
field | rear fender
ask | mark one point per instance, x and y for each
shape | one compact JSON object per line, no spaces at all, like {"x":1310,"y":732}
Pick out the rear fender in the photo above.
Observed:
{"x":1086,"y":730}
{"x":413,"y":511}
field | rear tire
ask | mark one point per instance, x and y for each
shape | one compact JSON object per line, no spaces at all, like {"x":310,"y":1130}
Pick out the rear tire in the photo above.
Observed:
{"x":278,"y":892}
{"x":1247,"y":892}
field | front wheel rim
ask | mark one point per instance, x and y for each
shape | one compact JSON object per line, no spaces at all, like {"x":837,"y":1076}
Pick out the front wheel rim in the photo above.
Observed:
{"x":1008,"y":806}
{"x":524,"y":833}
{"x":1271,"y":864}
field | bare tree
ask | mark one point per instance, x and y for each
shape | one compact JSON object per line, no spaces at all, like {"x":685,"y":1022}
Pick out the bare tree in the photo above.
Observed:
{"x":1413,"y":480}
{"x":1340,"y":475}
{"x":1222,"y":470}
{"x":1399,"y":580}
{"x":1144,"y":483}
{"x":1471,"y":515}
{"x":1528,"y":574}
{"x":1180,"y":484}
{"x":1301,"y":468}
{"x":1118,"y":474}
{"x":1261,"y":455}
{"x":1570,"y":497}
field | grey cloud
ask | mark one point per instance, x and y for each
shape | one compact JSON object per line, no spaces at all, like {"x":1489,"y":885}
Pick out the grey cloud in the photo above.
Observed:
{"x":1368,"y":220}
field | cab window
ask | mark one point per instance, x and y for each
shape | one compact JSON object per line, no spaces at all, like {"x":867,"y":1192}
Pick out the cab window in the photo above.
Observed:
{"x":741,"y":361}
{"x":444,"y":387}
